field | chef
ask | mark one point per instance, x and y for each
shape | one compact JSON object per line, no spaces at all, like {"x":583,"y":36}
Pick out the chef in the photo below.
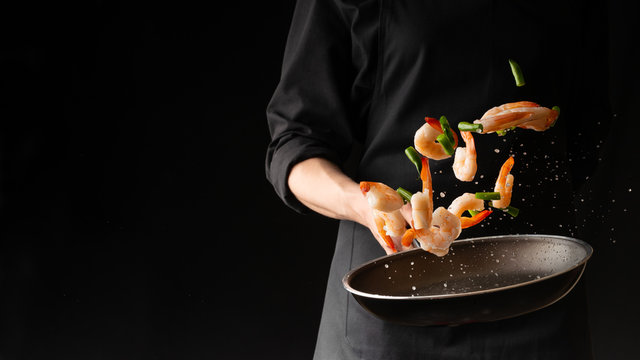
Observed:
{"x":358,"y":79}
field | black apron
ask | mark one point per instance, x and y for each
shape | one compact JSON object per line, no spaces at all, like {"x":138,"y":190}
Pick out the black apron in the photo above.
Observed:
{"x":411,"y":59}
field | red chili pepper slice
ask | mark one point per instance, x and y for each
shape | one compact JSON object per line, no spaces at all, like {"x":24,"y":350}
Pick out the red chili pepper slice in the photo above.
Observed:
{"x":466,"y":222}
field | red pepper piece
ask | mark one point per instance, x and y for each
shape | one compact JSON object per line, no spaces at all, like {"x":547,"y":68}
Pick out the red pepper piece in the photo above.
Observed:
{"x":466,"y":222}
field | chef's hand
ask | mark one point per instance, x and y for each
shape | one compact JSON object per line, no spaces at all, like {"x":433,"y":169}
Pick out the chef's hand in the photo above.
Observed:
{"x":406,"y":214}
{"x":324,"y":188}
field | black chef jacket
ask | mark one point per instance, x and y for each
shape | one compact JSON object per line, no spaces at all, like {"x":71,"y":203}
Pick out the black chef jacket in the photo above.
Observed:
{"x":359,"y":77}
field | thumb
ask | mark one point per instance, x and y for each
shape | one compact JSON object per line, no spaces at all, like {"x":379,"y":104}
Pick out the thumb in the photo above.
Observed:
{"x":371,"y":224}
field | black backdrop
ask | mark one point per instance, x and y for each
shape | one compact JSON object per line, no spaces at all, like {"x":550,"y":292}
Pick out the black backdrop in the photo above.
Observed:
{"x":136,"y":221}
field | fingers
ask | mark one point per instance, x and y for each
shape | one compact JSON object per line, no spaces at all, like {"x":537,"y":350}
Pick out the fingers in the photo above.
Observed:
{"x":381,"y":241}
{"x":405,"y":210}
{"x":398,"y":243}
{"x":370,"y":222}
{"x":387,"y":249}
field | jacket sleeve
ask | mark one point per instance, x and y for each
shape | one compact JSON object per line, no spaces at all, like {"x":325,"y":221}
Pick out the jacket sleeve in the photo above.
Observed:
{"x":308,"y":115}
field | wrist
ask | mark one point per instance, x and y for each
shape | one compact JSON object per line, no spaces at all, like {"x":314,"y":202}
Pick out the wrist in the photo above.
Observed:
{"x":355,"y":206}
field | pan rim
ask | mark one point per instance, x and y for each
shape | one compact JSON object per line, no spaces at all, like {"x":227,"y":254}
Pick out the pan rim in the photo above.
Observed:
{"x":585,"y":245}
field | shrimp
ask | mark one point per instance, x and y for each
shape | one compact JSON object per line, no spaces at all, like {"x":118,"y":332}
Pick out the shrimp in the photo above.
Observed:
{"x":421,"y":210}
{"x":464,"y":202}
{"x":468,"y":201}
{"x":445,"y":229}
{"x":394,"y":226}
{"x":464,"y":165}
{"x":523,"y":114}
{"x":422,"y":201}
{"x":385,"y":203}
{"x":437,"y":239}
{"x":425,"y":140}
{"x":380,"y":196}
{"x":435,"y":231}
{"x":504,"y":185}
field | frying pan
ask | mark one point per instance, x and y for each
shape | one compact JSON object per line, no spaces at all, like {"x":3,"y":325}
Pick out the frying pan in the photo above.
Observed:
{"x":481,"y":279}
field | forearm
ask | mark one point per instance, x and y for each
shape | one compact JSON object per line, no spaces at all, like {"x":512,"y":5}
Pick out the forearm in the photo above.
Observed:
{"x":324,"y":188}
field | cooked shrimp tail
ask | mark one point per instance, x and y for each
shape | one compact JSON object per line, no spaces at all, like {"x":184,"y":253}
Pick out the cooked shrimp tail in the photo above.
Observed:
{"x":409,"y":235}
{"x":383,"y":234}
{"x":504,"y":184}
{"x":425,"y":176}
{"x":422,"y":201}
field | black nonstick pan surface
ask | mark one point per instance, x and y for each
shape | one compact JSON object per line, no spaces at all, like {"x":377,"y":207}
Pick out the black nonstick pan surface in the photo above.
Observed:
{"x":481,"y":279}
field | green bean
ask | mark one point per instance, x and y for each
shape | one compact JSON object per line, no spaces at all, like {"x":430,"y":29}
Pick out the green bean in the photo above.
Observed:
{"x":465,"y":126}
{"x":406,"y":194}
{"x":447,"y":145}
{"x":415,"y":158}
{"x":488,"y":195}
{"x":517,"y":73}
{"x":446,"y":129}
{"x":511,"y":210}
{"x":556,"y":108}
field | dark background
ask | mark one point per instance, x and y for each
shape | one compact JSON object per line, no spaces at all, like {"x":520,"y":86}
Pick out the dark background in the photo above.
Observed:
{"x":136,"y":221}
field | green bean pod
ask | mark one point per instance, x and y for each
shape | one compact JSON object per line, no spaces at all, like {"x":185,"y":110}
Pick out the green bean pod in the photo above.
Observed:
{"x":405,"y":194}
{"x":511,"y":210}
{"x":414,"y":157}
{"x":488,"y":195}
{"x":447,"y":145}
{"x":517,"y":72}
{"x":556,"y":108}
{"x":446,"y":129}
{"x":465,"y":126}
